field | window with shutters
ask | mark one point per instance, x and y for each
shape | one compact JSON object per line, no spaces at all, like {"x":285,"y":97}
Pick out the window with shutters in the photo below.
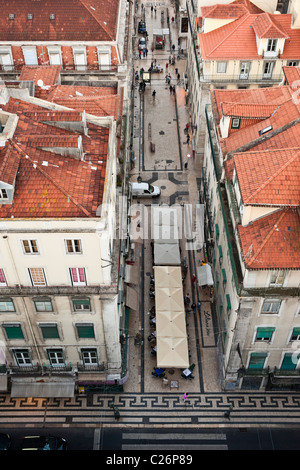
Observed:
{"x":264,"y":334}
{"x":2,"y":278}
{"x":295,"y":336}
{"x":49,"y":330}
{"x":257,"y":361}
{"x":13,"y":330}
{"x":78,"y":276}
{"x":30,"y":55}
{"x":290,"y":361}
{"x":37,"y":277}
{"x":85,"y":330}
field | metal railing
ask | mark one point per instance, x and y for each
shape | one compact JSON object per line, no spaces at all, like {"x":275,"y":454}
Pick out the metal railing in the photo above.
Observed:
{"x":70,"y":69}
{"x":223,"y":78}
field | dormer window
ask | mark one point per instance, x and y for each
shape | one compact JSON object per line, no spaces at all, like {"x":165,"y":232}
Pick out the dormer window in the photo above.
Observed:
{"x":235,"y":123}
{"x":3,"y":194}
{"x":29,"y":16}
{"x":52,"y":16}
{"x":272,"y":43}
{"x":11,"y":16}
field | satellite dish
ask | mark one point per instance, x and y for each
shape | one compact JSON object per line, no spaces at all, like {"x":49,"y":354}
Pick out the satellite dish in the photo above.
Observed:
{"x":40,"y":83}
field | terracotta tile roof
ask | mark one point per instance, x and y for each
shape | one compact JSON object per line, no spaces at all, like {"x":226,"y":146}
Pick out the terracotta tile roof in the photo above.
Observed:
{"x":269,"y":177}
{"x":100,"y":106}
{"x":292,"y":76}
{"x":266,"y":26}
{"x":95,"y":20}
{"x":49,"y":74}
{"x":248,"y":110}
{"x":221,"y":43}
{"x":55,"y":116}
{"x":48,"y":184}
{"x":231,"y":10}
{"x":272,"y":242}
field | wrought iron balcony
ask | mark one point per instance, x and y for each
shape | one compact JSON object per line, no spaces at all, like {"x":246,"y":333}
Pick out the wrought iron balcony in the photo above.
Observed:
{"x":91,"y":367}
{"x":243,"y":79}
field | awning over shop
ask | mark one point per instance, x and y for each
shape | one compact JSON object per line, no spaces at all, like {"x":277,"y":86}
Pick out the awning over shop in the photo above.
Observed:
{"x":45,"y":387}
{"x":172,"y":352}
{"x":204,"y":275}
{"x":131,"y":275}
{"x":131,"y":298}
{"x":166,"y":254}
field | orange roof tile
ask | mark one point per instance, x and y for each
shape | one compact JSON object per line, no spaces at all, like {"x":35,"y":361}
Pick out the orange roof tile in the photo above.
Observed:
{"x":272,"y":242}
{"x":269,"y":177}
{"x":49,"y":74}
{"x":248,"y":110}
{"x":220,"y":43}
{"x":292,"y":76}
{"x":95,"y":20}
{"x":233,"y":10}
{"x":266,"y":26}
{"x":49,"y":184}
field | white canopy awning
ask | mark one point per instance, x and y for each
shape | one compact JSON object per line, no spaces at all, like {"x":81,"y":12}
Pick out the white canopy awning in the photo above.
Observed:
{"x":204,"y":275}
{"x":167,"y":276}
{"x":169,"y":299}
{"x":43,"y":387}
{"x":166,"y":254}
{"x":170,"y":324}
{"x":172,"y":352}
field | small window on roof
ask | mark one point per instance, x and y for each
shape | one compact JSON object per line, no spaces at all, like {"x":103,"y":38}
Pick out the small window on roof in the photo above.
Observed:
{"x":266,"y":129}
{"x":29,"y":16}
{"x":52,"y":16}
{"x":11,"y":16}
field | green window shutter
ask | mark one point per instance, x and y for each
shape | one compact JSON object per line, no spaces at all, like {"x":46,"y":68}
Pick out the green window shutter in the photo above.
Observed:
{"x":264,"y":333}
{"x":295,"y":334}
{"x":220,"y":251}
{"x":85,"y":331}
{"x":217,"y":231}
{"x":49,"y":331}
{"x":289,"y":362}
{"x":14,"y":331}
{"x":224,"y":276}
{"x":228,"y":302}
{"x":257,"y":361}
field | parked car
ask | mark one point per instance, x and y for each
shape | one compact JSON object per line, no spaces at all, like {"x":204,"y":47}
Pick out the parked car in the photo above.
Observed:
{"x":142,"y":27}
{"x":43,"y":443}
{"x":144,"y":190}
{"x":142,"y":44}
{"x":5,"y":441}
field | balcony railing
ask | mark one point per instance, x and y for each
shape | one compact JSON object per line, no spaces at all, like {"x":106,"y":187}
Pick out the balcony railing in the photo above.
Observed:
{"x":94,"y":68}
{"x":243,"y":80}
{"x":91,"y":367}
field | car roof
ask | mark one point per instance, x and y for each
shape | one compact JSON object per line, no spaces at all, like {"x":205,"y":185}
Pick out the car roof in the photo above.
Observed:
{"x":140,"y":185}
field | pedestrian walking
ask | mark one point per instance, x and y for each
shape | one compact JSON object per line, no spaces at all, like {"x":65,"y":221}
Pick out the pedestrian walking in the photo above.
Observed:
{"x":140,"y":54}
{"x":173,"y":47}
{"x":187,"y":299}
{"x":167,"y":65}
{"x":170,"y":59}
{"x":178,"y":76}
{"x":188,"y":139}
{"x":176,"y":71}
{"x":227,"y":413}
{"x":171,"y":89}
{"x":153,"y":94}
{"x":194,"y":278}
{"x":185,"y":397}
{"x":146,"y":52}
{"x":185,"y":165}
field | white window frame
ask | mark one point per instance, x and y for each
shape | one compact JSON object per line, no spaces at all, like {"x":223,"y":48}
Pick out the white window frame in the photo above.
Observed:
{"x":54,"y":50}
{"x":30,"y":49}
{"x":71,"y":246}
{"x":7,"y":52}
{"x":221,"y":65}
{"x":32,"y":245}
{"x":270,"y":65}
{"x":271,"y":302}
{"x":80,"y":51}
{"x":276,"y":275}
{"x":3,"y":193}
{"x":272,"y":45}
{"x":27,"y":361}
{"x":107,"y":52}
{"x":89,"y":361}
{"x":37,"y":284}
{"x":78,"y":282}
{"x":3,"y":282}
{"x":58,"y":359}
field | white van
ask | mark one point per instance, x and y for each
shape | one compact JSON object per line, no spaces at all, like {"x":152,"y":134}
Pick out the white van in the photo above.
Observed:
{"x":144,"y":190}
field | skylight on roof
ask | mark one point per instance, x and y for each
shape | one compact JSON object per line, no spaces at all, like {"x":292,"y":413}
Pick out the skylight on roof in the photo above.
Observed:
{"x":266,"y":129}
{"x":11,"y":16}
{"x":52,"y":16}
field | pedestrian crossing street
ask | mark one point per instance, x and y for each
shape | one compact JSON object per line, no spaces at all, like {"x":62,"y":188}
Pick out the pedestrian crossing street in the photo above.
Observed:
{"x":170,"y":441}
